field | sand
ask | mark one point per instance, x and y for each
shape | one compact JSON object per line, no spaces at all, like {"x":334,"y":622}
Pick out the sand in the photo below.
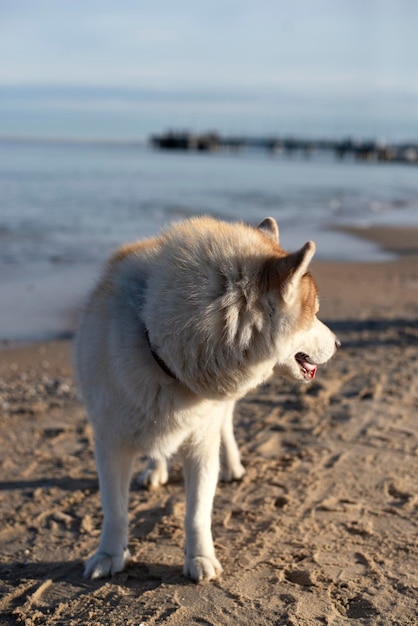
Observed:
{"x":321,"y":530}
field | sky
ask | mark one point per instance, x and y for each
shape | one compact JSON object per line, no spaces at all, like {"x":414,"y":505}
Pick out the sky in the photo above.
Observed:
{"x":126,"y":69}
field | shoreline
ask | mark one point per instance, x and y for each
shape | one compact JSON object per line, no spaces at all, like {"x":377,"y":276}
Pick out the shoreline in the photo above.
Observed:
{"x":399,"y":240}
{"x":54,"y":319}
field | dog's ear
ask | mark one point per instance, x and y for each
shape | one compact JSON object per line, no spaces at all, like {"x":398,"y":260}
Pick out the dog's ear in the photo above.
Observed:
{"x":270,"y":228}
{"x":292,"y":268}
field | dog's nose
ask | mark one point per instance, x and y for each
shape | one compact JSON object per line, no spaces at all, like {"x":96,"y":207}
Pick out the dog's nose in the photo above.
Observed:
{"x":337,"y":343}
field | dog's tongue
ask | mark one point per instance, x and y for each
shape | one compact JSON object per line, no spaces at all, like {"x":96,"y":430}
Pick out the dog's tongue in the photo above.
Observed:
{"x":310,"y":368}
{"x":305,"y":363}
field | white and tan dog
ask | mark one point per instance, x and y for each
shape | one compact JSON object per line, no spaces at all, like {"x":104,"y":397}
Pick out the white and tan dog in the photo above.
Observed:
{"x":178,"y":328}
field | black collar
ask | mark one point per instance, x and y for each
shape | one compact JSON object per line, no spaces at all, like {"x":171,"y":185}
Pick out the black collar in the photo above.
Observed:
{"x":158,"y":359}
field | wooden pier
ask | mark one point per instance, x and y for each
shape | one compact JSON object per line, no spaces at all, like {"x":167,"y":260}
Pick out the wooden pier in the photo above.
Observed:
{"x":361,"y":150}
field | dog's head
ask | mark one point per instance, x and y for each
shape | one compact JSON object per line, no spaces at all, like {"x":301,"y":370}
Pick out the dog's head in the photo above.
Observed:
{"x":228,"y":305}
{"x":302,"y":341}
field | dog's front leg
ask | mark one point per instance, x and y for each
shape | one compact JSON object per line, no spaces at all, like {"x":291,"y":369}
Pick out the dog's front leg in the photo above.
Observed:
{"x":114,"y":466}
{"x":201,"y":468}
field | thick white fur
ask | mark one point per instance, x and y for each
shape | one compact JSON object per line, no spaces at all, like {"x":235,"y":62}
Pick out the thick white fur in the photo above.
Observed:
{"x":222,"y":309}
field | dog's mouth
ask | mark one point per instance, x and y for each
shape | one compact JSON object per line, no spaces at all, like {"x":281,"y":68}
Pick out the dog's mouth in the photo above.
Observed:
{"x":306,"y":365}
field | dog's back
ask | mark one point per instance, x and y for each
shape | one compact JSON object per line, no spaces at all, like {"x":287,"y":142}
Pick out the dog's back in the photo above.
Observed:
{"x":112,"y":359}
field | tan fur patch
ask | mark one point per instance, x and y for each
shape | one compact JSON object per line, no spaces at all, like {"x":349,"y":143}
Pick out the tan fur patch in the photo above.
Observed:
{"x":308,"y":300}
{"x":129,"y":249}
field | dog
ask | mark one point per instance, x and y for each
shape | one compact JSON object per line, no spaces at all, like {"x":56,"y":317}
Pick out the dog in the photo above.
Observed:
{"x":178,"y":328}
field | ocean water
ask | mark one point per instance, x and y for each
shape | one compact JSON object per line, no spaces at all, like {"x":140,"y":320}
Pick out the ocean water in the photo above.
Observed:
{"x":64,"y":207}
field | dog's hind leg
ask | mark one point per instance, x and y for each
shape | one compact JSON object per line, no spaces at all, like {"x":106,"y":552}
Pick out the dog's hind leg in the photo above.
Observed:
{"x":114,"y":466}
{"x":201,"y":468}
{"x":232,"y":468}
{"x":155,"y":475}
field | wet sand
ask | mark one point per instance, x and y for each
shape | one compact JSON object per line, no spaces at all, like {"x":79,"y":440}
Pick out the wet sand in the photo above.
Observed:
{"x":321,"y":530}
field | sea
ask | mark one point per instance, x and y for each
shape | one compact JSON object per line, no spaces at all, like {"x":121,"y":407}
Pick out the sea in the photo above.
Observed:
{"x":64,"y":206}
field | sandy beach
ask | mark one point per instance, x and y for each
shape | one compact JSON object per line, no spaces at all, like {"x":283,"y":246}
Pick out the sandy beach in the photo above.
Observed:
{"x":321,"y":530}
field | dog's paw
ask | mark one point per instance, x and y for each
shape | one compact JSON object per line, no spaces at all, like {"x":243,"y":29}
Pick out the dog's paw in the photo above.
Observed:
{"x":101,"y":564}
{"x":235,"y":472}
{"x":201,"y":568}
{"x":153,"y":478}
